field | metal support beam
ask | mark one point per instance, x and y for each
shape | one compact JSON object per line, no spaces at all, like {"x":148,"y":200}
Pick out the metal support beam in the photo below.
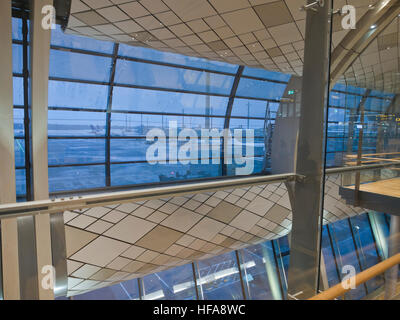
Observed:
{"x":40,"y":226}
{"x":392,"y":275}
{"x":40,"y":55}
{"x":228,"y":114}
{"x":108,"y":115}
{"x":9,"y":250}
{"x":59,"y":253}
{"x":303,"y":276}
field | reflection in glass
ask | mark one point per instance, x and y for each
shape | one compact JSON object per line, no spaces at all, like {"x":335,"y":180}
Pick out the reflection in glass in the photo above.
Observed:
{"x":173,"y":284}
{"x":218,"y":278}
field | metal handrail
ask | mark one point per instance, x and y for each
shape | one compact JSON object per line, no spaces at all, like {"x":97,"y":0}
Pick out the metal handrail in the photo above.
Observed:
{"x":106,"y":198}
{"x":362,"y":277}
{"x":101,"y":199}
{"x":364,"y":167}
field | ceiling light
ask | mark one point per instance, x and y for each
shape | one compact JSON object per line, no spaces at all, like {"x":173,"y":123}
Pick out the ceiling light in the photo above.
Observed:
{"x":373,"y":27}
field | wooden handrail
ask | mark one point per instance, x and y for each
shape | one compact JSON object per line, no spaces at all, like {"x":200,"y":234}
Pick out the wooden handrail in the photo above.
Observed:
{"x":339,"y":290}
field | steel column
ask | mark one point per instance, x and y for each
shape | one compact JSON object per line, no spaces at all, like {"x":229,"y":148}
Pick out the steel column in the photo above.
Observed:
{"x":228,"y":114}
{"x":34,"y":234}
{"x":303,"y":276}
{"x":9,"y":250}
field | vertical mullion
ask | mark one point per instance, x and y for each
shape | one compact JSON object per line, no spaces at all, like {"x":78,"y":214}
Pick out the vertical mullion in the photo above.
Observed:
{"x":277,"y":268}
{"x":238,"y":261}
{"x":108,"y":115}
{"x":228,"y":114}
{"x":195,"y":281}
{"x":25,"y":63}
{"x":357,"y":253}
{"x":333,"y":253}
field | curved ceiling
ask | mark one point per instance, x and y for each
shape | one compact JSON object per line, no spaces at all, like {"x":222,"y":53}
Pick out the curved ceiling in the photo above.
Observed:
{"x":114,"y":243}
{"x":258,"y":33}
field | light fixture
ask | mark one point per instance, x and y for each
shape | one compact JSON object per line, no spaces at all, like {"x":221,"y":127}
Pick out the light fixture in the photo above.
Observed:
{"x":373,"y":27}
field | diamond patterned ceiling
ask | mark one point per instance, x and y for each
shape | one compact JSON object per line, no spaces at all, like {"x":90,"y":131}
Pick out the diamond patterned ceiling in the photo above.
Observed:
{"x":114,"y":243}
{"x":258,"y":33}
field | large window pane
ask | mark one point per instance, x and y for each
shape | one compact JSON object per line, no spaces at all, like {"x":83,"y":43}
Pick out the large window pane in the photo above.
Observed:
{"x":139,"y":124}
{"x":173,"y":284}
{"x":260,"y":89}
{"x":169,"y":102}
{"x":58,"y":38}
{"x":150,"y":75}
{"x":75,"y":178}
{"x":20,"y":177}
{"x":249,"y":108}
{"x":73,"y":65}
{"x":260,"y":274}
{"x":17,"y":58}
{"x":18,"y":91}
{"x":218,"y":278}
{"x":346,"y":254}
{"x":367,"y":250}
{"x":262,"y":73}
{"x":173,"y":58}
{"x":19,"y":146}
{"x":76,"y":123}
{"x":19,"y":130}
{"x":77,"y":95}
{"x":128,"y":290}
{"x":76,"y":151}
{"x":126,"y":174}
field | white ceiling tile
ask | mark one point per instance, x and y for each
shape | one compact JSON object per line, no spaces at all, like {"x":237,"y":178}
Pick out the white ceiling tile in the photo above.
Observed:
{"x":243,"y":21}
{"x":134,"y":9}
{"x":191,"y":9}
{"x":181,"y":220}
{"x":130,"y":229}
{"x":229,"y":5}
{"x":113,"y":14}
{"x":100,"y":251}
{"x":286,"y":33}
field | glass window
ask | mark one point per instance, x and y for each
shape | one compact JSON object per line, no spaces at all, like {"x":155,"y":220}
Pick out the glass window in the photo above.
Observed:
{"x":269,"y":75}
{"x":283,"y":256}
{"x":139,"y":124}
{"x":218,"y":278}
{"x":259,"y":272}
{"x":20,"y":177}
{"x":156,"y":76}
{"x":73,"y":123}
{"x":18,"y":91}
{"x":17,"y":58}
{"x":58,"y":38}
{"x":173,"y":284}
{"x":367,"y":250}
{"x":249,"y":108}
{"x":167,"y":102}
{"x":173,"y":58}
{"x":72,"y":65}
{"x":76,"y":151}
{"x":128,"y":290}
{"x":16,"y":29}
{"x":19,"y":130}
{"x":349,"y":89}
{"x":332,"y":272}
{"x":19,"y":145}
{"x":136,"y":173}
{"x":260,"y":89}
{"x":345,"y":253}
{"x":75,"y":178}
{"x":77,"y":95}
